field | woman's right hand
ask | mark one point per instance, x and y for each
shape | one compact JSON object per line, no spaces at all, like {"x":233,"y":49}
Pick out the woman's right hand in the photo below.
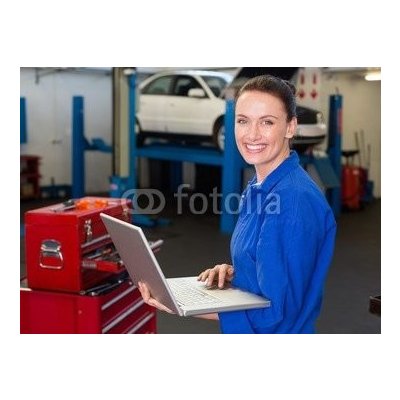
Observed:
{"x":220,"y":274}
{"x":150,"y":300}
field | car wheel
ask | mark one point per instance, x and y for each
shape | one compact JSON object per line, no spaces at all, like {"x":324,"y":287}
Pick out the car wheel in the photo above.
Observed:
{"x":219,"y":135}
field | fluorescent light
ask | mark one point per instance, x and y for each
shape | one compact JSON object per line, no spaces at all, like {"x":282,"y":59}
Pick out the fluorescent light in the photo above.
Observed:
{"x":373,"y":76}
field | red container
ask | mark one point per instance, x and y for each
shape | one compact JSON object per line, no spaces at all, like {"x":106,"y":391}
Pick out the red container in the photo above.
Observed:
{"x":68,"y":248}
{"x":121,"y":310}
{"x":351,"y":187}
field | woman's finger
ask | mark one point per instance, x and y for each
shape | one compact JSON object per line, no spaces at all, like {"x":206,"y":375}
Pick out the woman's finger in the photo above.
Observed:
{"x":221,"y":277}
{"x":203,"y":276}
{"x":211,"y":276}
{"x":144,"y":291}
{"x":154,"y":303}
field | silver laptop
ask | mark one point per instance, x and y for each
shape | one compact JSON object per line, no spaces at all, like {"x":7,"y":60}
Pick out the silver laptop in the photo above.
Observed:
{"x":185,"y":296}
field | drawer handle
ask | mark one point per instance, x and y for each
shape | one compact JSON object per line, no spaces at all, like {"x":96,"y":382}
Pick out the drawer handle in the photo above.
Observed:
{"x":122,"y":316}
{"x":141,"y":323}
{"x":117,"y":298}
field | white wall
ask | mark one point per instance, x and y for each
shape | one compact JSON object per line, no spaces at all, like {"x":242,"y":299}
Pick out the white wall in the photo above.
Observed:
{"x":361,"y":111}
{"x":49,"y":123}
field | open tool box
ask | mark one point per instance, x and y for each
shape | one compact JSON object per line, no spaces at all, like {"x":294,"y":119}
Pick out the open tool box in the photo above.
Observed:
{"x":67,"y":245}
{"x":76,"y":281}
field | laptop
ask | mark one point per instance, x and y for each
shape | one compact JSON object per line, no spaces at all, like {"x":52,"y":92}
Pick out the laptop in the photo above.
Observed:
{"x":185,"y":296}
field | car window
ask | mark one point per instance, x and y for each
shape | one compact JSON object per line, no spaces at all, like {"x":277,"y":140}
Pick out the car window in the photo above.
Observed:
{"x":159,"y":86}
{"x":215,"y":83}
{"x":183,"y":84}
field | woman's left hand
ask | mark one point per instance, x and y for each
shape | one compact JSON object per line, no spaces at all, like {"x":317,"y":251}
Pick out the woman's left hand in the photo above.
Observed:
{"x":220,"y":274}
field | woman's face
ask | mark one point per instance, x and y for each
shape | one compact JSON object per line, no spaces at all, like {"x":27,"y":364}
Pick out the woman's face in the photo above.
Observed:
{"x":262,"y":131}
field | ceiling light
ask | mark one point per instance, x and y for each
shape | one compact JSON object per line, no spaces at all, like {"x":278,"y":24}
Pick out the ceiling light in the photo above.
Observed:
{"x":373,"y":76}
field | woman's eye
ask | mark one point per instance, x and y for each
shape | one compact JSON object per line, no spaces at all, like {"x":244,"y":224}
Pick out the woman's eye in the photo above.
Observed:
{"x":241,"y":121}
{"x":267,"y":122}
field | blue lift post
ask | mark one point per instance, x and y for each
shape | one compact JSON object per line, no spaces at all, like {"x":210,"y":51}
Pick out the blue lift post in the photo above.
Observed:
{"x":230,"y":161}
{"x":79,"y":145}
{"x":329,"y":167}
{"x":231,"y":170}
{"x":335,"y":149}
{"x":22,"y":139}
{"x":23,"y":131}
{"x":78,"y":148}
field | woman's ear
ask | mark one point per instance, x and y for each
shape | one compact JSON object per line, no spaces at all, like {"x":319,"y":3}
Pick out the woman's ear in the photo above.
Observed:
{"x":292,"y":128}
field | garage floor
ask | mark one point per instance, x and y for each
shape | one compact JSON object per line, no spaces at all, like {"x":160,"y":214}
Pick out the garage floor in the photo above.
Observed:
{"x":193,"y":243}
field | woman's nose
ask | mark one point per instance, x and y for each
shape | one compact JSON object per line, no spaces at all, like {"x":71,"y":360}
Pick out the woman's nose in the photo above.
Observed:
{"x":254,"y":132}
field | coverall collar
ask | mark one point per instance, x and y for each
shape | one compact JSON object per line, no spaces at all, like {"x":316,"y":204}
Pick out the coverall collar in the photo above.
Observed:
{"x":288,"y":165}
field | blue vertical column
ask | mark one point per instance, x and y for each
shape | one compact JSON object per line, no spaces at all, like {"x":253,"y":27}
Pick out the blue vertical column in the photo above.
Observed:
{"x":132,"y":179}
{"x":231,"y":172}
{"x":78,"y":148}
{"x":23,"y":135}
{"x":335,"y":149}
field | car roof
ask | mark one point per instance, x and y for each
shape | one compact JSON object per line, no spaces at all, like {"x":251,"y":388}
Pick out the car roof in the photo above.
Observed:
{"x":192,"y":72}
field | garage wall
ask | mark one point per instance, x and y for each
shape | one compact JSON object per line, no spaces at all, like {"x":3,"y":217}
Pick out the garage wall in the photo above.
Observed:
{"x":361,"y":110}
{"x":49,"y":105}
{"x":49,"y":122}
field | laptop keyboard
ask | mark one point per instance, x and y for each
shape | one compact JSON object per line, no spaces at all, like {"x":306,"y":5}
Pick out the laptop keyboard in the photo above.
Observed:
{"x":188,"y":295}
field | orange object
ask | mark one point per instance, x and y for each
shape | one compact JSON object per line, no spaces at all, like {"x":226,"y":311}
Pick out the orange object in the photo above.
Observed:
{"x":90,"y":203}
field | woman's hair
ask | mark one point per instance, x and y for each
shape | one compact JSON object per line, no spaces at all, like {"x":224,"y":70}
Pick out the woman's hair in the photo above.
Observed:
{"x":274,"y":86}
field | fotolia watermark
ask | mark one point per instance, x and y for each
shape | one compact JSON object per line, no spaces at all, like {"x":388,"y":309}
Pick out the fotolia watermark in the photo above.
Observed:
{"x":152,"y":201}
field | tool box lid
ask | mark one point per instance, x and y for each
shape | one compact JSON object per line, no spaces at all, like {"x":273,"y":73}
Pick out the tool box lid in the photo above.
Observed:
{"x":75,"y":210}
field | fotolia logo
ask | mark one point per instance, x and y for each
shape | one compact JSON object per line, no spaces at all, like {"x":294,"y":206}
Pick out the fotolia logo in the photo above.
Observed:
{"x":152,"y":202}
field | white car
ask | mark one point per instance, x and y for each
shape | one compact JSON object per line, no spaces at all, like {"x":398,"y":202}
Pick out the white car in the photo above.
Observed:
{"x":189,"y":106}
{"x":183,"y":105}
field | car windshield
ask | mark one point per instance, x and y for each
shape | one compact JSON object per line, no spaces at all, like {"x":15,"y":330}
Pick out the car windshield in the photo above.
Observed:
{"x":215,"y":83}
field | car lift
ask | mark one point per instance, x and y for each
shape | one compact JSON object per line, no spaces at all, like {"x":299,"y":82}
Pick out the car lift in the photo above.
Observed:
{"x":230,"y":160}
{"x":328,"y":168}
{"x":79,"y":145}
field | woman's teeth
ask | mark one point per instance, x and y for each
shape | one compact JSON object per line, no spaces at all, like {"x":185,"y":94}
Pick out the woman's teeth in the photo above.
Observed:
{"x":255,"y":147}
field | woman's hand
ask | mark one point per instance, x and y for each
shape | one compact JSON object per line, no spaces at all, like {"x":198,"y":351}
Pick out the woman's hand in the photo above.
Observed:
{"x":221,"y":273}
{"x":145,"y":292}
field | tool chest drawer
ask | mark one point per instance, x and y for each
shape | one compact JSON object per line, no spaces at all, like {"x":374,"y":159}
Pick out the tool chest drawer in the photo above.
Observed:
{"x":116,"y":309}
{"x":67,"y":246}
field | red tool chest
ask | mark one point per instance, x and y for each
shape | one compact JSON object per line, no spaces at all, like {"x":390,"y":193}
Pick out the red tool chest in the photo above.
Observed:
{"x":67,"y":245}
{"x":116,"y":309}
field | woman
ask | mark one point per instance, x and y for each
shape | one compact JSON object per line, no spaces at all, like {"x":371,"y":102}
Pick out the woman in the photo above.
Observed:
{"x":284,"y":238}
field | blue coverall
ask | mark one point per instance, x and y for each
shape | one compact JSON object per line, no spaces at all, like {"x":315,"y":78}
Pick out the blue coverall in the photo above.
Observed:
{"x":281,"y":249}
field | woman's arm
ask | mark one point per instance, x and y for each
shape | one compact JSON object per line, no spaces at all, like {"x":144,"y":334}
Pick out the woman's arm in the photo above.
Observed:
{"x":213,"y":316}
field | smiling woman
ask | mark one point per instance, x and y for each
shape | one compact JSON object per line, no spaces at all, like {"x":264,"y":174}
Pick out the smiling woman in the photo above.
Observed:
{"x":284,"y":238}
{"x":263,"y":131}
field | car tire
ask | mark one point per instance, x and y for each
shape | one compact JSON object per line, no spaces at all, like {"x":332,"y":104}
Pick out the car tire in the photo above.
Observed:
{"x":219,"y":135}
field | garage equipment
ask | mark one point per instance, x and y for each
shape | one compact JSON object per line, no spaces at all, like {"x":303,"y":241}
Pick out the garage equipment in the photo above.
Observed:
{"x":76,"y":281}
{"x":115,"y":308}
{"x":67,"y":246}
{"x":230,"y":161}
{"x":351,"y":181}
{"x":80,"y":144}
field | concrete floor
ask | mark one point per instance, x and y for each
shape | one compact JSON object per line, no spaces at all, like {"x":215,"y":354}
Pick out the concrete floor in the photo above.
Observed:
{"x":193,"y":243}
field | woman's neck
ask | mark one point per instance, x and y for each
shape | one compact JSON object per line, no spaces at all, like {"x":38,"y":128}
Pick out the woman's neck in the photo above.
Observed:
{"x":263,"y":170}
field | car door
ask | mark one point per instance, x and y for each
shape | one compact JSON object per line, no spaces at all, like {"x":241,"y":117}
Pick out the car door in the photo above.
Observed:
{"x":188,"y":115}
{"x":153,"y":102}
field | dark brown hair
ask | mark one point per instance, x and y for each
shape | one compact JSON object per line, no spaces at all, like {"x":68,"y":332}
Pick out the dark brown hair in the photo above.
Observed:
{"x":284,"y":90}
